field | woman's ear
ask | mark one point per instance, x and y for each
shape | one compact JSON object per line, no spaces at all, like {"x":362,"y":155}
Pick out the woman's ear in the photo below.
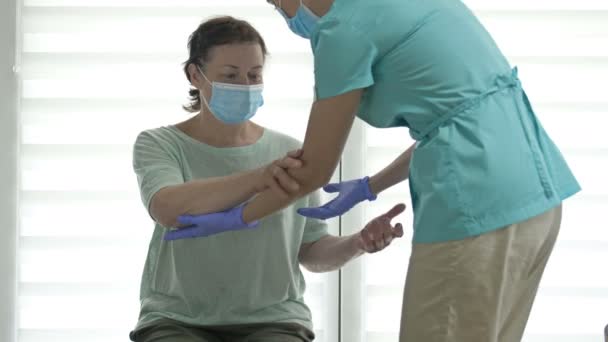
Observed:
{"x":195,"y":76}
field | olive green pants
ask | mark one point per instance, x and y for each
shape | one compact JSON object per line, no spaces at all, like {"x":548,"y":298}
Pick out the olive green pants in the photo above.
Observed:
{"x":172,"y":331}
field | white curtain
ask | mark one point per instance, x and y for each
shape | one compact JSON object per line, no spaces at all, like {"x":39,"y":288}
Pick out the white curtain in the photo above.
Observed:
{"x":94,"y":73}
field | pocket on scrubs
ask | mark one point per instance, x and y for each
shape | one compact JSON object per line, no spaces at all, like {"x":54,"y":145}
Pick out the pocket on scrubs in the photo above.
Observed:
{"x":433,"y":184}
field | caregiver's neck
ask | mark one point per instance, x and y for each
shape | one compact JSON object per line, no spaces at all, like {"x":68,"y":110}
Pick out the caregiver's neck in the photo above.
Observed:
{"x":319,"y":7}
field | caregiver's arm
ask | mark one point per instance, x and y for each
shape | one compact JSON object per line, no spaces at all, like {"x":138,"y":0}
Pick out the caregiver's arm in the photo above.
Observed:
{"x":329,"y":124}
{"x":395,"y":173}
{"x":353,"y":192}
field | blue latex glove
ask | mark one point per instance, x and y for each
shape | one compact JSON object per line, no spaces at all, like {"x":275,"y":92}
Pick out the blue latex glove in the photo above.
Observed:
{"x":350,"y":194}
{"x":210,"y":224}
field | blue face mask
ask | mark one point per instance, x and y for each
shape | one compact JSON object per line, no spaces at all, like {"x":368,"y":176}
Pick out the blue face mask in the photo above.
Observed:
{"x":234,"y":103}
{"x":303,"y":23}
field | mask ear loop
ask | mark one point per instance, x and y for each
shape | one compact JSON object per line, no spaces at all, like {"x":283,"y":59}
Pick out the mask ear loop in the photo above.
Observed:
{"x":203,"y":74}
{"x":200,"y":93}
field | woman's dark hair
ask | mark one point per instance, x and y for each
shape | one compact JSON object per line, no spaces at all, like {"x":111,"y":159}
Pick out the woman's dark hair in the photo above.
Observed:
{"x":215,"y":32}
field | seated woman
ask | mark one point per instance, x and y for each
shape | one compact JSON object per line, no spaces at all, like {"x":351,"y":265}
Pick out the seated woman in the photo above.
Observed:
{"x":241,"y":285}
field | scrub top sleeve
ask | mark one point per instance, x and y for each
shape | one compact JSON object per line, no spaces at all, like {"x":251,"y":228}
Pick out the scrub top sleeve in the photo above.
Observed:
{"x":154,"y":166}
{"x":343,"y":59}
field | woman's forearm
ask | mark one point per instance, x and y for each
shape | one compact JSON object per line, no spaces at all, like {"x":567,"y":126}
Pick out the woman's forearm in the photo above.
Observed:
{"x":330,"y":253}
{"x":267,"y":202}
{"x":203,"y":196}
{"x":395,"y":173}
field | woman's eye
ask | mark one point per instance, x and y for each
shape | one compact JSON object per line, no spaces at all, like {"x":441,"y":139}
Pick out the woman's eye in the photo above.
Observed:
{"x":230,"y":76}
{"x":256,"y":77}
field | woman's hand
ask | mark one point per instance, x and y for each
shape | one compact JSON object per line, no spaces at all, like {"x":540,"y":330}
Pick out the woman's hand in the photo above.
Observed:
{"x":274,"y":175}
{"x":379,"y":232}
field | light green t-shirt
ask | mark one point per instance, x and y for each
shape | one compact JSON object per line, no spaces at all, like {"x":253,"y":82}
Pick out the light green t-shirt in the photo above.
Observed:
{"x":250,"y":276}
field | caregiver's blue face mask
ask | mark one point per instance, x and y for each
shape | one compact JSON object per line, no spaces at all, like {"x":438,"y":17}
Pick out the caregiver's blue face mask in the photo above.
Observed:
{"x":303,"y":23}
{"x":233,"y":103}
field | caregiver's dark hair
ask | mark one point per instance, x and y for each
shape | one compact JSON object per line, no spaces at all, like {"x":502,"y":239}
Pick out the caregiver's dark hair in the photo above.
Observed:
{"x":218,"y":31}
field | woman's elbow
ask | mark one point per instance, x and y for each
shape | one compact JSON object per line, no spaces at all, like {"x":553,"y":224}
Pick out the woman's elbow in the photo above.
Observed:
{"x":161,"y":211}
{"x":311,"y":266}
{"x":313,"y":269}
{"x":317,"y":267}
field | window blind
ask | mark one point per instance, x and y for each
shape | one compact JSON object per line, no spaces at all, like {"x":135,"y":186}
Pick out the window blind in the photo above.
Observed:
{"x":94,"y":74}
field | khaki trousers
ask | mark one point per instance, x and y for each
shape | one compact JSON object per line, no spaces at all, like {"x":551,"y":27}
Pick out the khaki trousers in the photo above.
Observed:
{"x":480,"y":289}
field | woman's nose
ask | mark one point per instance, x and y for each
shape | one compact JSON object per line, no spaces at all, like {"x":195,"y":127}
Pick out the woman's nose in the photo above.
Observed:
{"x":244,"y":81}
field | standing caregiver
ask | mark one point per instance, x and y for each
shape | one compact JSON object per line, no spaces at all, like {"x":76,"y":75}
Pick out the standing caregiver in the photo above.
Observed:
{"x":486,"y":180}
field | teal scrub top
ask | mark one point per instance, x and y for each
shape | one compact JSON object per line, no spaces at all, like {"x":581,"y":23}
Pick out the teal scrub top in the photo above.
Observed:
{"x":482,"y":161}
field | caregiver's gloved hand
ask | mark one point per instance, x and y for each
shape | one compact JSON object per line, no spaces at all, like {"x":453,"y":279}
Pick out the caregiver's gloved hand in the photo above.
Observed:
{"x":210,"y":224}
{"x":350,"y":194}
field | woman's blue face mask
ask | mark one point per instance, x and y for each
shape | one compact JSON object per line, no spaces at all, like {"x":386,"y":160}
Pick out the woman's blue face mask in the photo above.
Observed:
{"x":233,"y":103}
{"x":303,"y":23}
